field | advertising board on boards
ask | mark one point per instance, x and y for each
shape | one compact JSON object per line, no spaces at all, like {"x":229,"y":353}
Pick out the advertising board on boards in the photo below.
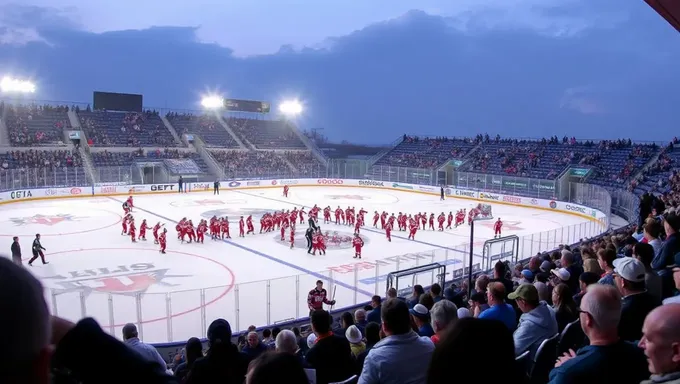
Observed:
{"x":330,"y":181}
{"x":21,"y":194}
{"x":162,"y":187}
{"x":289,"y":182}
{"x":470,"y":194}
{"x":371,"y":183}
{"x":575,"y":208}
{"x":489,"y":196}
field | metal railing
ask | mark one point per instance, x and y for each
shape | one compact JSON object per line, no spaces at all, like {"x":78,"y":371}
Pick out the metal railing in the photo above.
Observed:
{"x":179,"y":314}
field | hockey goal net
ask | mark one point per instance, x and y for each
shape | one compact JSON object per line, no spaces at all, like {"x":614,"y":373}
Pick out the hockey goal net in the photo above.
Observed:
{"x":484,"y":212}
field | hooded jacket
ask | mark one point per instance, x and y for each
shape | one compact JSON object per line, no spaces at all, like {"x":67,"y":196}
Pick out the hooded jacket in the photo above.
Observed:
{"x":534,"y":327}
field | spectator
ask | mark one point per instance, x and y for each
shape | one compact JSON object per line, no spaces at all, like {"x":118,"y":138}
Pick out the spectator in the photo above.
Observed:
{"x":478,"y":303}
{"x":651,"y":232}
{"x":267,"y":338}
{"x":667,"y":252}
{"x":462,"y":345}
{"x":606,"y":257}
{"x":443,"y":314}
{"x":194,"y":351}
{"x":427,"y":300}
{"x":402,"y":357}
{"x":637,"y":302}
{"x":374,"y":314}
{"x":436,"y":292}
{"x":254,"y":346}
{"x":223,"y":363}
{"x":372,"y":338}
{"x":544,"y":291}
{"x":602,"y":360}
{"x":331,"y":355}
{"x":286,"y":342}
{"x":499,"y":309}
{"x":415,"y":297}
{"x":276,"y":368}
{"x":354,"y":337}
{"x":463,"y":313}
{"x":661,"y":337}
{"x":499,"y":273}
{"x":585,"y":280}
{"x":421,"y":318}
{"x":593,"y":266}
{"x":675,"y":268}
{"x":564,"y":306}
{"x":148,"y":351}
{"x":574,"y":270}
{"x":645,"y":254}
{"x":360,"y":320}
{"x":537,"y":322}
{"x":301,"y":341}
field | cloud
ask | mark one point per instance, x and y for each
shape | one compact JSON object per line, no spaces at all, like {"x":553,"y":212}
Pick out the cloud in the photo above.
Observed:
{"x":22,"y":24}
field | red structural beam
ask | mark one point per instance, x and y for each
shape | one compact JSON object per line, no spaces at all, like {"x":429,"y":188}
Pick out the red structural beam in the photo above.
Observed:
{"x":668,"y":9}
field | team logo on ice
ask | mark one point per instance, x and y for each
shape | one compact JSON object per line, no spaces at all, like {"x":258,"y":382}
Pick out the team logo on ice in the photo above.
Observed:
{"x":48,"y":220}
{"x":507,"y":225}
{"x":347,"y":197}
{"x":334,"y":239}
{"x":120,"y":280}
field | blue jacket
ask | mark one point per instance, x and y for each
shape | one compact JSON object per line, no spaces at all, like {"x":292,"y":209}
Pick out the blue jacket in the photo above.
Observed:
{"x":533,"y":328}
{"x":374,"y":316}
{"x":398,"y":359}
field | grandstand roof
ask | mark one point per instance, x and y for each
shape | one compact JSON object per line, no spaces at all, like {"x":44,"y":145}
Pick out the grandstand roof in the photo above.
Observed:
{"x":668,"y":9}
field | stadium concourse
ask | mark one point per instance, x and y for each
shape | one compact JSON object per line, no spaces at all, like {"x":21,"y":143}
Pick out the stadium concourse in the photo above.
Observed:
{"x":60,"y":151}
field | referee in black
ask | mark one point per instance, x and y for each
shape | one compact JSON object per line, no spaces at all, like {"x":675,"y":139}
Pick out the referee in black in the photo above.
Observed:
{"x":308,"y":235}
{"x":16,"y":251}
{"x":216,"y":187}
{"x":441,"y":192}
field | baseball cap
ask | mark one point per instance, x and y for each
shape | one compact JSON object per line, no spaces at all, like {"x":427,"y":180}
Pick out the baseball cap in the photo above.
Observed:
{"x":420,"y":311}
{"x":525,"y":292}
{"x":527,"y":274}
{"x":219,"y":330}
{"x":673,"y":220}
{"x":562,"y":273}
{"x":630,"y":269}
{"x":546,"y":266}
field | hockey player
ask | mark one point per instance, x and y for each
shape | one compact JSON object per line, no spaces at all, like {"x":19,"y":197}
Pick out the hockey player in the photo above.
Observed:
{"x":497,"y":226}
{"x":358,"y":244}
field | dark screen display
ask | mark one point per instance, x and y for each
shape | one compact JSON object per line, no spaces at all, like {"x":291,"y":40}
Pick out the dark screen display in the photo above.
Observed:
{"x":236,"y":105}
{"x":110,"y":101}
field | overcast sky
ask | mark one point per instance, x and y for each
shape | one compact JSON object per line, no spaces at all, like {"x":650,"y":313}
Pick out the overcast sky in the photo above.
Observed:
{"x":253,"y":27}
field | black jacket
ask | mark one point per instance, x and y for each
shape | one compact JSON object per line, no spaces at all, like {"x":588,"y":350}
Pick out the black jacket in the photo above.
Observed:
{"x":16,"y":249}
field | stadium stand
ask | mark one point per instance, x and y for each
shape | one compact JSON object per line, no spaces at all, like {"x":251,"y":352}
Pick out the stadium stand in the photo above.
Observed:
{"x":41,"y":168}
{"x":36,"y":125}
{"x":418,"y":152}
{"x":266,"y":134}
{"x":305,"y":163}
{"x":121,"y":129}
{"x":251,"y":164}
{"x":207,"y":127}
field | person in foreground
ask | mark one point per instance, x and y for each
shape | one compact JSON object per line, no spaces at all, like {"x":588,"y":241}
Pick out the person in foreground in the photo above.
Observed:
{"x":607,"y":359}
{"x":34,"y":340}
{"x":661,"y":343}
{"x":402,"y":357}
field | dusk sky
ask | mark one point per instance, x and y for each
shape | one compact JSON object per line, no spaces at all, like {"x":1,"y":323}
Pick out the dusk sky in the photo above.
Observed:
{"x":589,"y":68}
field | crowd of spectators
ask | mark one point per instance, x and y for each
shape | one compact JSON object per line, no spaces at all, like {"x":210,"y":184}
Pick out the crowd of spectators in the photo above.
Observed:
{"x":207,"y":126}
{"x":132,"y":129}
{"x":39,"y":168}
{"x":34,"y":125}
{"x":427,"y":152}
{"x":251,"y":163}
{"x":305,"y":163}
{"x":266,"y":134}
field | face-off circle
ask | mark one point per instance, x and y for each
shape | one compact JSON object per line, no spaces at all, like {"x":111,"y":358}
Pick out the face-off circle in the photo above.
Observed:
{"x":55,"y":221}
{"x":334,"y":239}
{"x":128,"y":272}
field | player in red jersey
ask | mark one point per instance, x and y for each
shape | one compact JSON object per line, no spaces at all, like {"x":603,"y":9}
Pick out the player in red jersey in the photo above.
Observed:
{"x":460,"y":218}
{"x":132,"y":230}
{"x":249,"y":224}
{"x":162,"y":240}
{"x":358,"y":243}
{"x":376,"y":217}
{"x":321,"y":239}
{"x":315,"y":243}
{"x":285,"y":190}
{"x":327,"y":215}
{"x":126,"y":208}
{"x":191,"y":231}
{"x":423,"y":219}
{"x":388,"y":231}
{"x":241,"y":228}
{"x":317,"y":297}
{"x":432,"y":221}
{"x":413,"y":229}
{"x":126,"y":218}
{"x":292,"y":236}
{"x":449,"y":220}
{"x":224,"y":227}
{"x":130,"y":202}
{"x":201,"y":230}
{"x":497,"y":226}
{"x":471,"y":216}
{"x":179,"y":227}
{"x":155,"y":232}
{"x":390,"y":221}
{"x":301,"y":214}
{"x":441,"y":219}
{"x":142,"y":230}
{"x":283,"y":232}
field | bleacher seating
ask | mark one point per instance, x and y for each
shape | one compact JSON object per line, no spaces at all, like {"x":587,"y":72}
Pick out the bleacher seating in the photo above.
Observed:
{"x":252,"y":164}
{"x":117,"y":166}
{"x":415,"y":152}
{"x":37,"y":168}
{"x":33,"y":125}
{"x":176,"y":154}
{"x":266,"y":134}
{"x":662,"y":176}
{"x":306,"y":164}
{"x":206,"y":126}
{"x":121,"y":129}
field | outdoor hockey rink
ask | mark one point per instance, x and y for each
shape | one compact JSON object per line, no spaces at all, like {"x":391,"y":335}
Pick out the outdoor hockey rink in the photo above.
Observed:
{"x":94,"y":271}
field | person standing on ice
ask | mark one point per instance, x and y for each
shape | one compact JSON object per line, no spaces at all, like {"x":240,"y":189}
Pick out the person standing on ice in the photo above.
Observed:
{"x":37,"y":250}
{"x":16,"y":250}
{"x":441,"y":193}
{"x":216,"y":187}
{"x":180,"y":184}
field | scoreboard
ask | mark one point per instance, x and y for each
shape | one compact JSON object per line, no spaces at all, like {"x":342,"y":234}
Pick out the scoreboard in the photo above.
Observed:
{"x":236,"y":105}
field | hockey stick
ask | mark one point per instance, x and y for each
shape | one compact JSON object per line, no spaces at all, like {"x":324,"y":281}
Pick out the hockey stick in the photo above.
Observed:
{"x":333,"y":297}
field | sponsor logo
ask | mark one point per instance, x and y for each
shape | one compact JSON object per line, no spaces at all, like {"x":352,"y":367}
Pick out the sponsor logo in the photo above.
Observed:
{"x":200,"y":186}
{"x":20,"y":195}
{"x":253,"y":183}
{"x":347,"y":197}
{"x":534,"y":202}
{"x":371,"y":183}
{"x":486,"y":196}
{"x":330,"y":181}
{"x":161,"y":187}
{"x":274,"y":182}
{"x":512,"y":199}
{"x":289,"y":182}
{"x":76,"y":191}
{"x":334,"y":239}
{"x":48,"y":220}
{"x":109,"y":189}
{"x":553,"y":204}
{"x":427,"y":189}
{"x":395,"y":185}
{"x":234,"y":184}
{"x":575,"y":208}
{"x":51,"y":192}
{"x":465,"y":193}
{"x":593,"y":213}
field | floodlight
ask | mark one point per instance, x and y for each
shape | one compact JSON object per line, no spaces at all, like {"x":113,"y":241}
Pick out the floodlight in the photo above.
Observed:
{"x":12,"y":85}
{"x":212,"y":102}
{"x":290,"y":108}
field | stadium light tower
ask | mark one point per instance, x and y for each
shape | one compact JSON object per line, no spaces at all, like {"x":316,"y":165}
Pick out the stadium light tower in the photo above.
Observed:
{"x":13,"y":85}
{"x":212,"y":102}
{"x":290,"y":108}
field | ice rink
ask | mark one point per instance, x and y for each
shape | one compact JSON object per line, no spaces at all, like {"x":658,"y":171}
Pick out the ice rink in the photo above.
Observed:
{"x":94,"y":271}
